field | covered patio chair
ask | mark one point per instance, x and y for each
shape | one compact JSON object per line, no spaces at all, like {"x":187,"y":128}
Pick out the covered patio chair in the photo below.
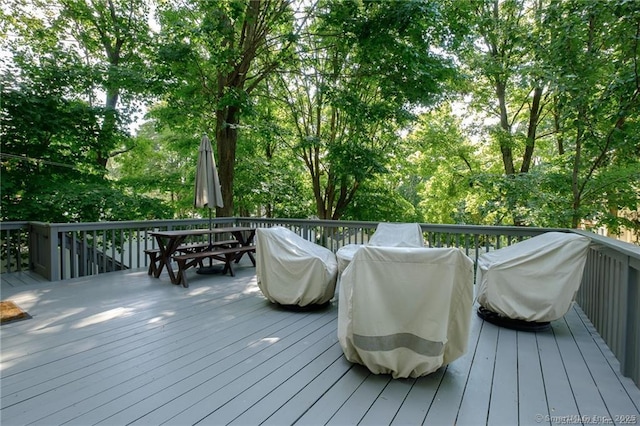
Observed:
{"x":397,"y":235}
{"x":405,"y":311}
{"x":386,"y":235}
{"x":292,"y":271}
{"x":528,"y":284}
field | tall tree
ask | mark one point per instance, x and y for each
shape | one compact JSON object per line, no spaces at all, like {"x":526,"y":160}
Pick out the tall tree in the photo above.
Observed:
{"x":74,"y":69}
{"x":267,"y":182}
{"x":446,"y":164}
{"x":215,"y":54}
{"x":361,"y":68}
{"x":563,"y":72}
{"x":49,"y":169}
{"x":102,"y":47}
{"x":503,"y":60}
{"x":593,"y":62}
{"x":113,"y":36}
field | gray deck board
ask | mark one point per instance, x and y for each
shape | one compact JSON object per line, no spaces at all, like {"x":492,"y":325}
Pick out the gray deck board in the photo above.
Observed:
{"x":19,"y":279}
{"x":445,"y":406}
{"x":615,"y":401}
{"x":417,"y":403}
{"x":188,"y":390}
{"x":296,"y":407}
{"x":585,"y":391}
{"x":126,"y":348}
{"x":503,"y":408}
{"x":476,"y":399}
{"x":384,"y":409}
{"x":614,"y":365}
{"x":531,"y":390}
{"x":236,"y":396}
{"x":270,"y":396}
{"x":323,"y":410}
{"x":560,"y":395}
{"x":359,"y":402}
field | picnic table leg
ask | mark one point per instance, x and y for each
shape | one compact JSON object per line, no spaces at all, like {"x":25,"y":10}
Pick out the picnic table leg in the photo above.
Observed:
{"x":153,"y":260}
{"x":161,"y":265}
{"x":164,"y":257}
{"x":166,"y":251}
{"x":244,"y":242}
{"x":228,"y":258}
{"x":181,"y":277}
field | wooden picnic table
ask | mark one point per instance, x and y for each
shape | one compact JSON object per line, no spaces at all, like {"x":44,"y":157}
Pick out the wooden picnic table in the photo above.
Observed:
{"x":170,"y":242}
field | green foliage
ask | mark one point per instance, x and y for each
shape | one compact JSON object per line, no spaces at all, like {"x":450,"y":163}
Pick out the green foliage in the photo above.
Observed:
{"x":558,"y":80}
{"x":272,"y":189}
{"x":49,"y":168}
{"x":56,"y":136}
{"x":361,"y":67}
{"x":82,"y":201}
{"x":268,"y":183}
{"x":161,"y":165}
{"x":212,"y":56}
{"x":444,"y":162}
{"x":594,"y":74}
{"x":379,"y":201}
{"x":308,"y":104}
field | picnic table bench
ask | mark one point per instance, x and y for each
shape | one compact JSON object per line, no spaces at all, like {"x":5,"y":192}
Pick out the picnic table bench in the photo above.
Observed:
{"x":224,"y":254}
{"x":154,"y":254}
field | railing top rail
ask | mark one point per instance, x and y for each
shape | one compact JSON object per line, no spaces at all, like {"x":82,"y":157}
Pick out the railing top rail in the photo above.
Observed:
{"x":13,"y":225}
{"x":627,"y":249}
{"x":428,"y":227}
{"x":475,"y":229}
{"x":80,"y":226}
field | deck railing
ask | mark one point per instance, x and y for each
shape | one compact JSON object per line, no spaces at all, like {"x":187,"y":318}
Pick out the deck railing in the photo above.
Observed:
{"x":609,"y":295}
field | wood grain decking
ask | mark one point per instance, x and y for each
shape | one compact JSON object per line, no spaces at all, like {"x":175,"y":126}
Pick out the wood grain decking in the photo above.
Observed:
{"x":125,"y":348}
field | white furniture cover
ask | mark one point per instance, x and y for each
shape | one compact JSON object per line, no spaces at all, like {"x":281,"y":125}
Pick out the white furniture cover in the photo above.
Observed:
{"x":405,"y":311}
{"x":387,"y":235}
{"x":294,"y":271}
{"x":397,"y":235}
{"x":345,"y":256}
{"x":535,"y":279}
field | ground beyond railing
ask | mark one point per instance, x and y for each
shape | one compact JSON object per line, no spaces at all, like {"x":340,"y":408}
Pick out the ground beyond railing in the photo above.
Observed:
{"x":609,"y":295}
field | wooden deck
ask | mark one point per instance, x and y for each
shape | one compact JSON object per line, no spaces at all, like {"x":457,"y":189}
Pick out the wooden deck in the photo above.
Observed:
{"x":125,"y":348}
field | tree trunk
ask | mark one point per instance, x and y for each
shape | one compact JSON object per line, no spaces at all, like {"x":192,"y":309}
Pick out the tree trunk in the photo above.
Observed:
{"x":259,"y":21}
{"x":226,"y":141}
{"x":108,"y":126}
{"x":317,"y":186}
{"x":557,"y":129}
{"x":575,"y":174}
{"x":534,"y":116}
{"x":505,"y":149}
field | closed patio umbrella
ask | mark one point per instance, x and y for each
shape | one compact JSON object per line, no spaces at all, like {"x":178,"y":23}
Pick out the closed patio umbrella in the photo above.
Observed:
{"x":208,"y":192}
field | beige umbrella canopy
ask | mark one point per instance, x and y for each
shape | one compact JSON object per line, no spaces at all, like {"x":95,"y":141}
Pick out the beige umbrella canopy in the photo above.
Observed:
{"x":208,"y":192}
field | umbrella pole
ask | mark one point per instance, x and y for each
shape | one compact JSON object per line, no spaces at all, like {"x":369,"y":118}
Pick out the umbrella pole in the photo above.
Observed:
{"x":211,"y":269}
{"x":210,"y":228}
